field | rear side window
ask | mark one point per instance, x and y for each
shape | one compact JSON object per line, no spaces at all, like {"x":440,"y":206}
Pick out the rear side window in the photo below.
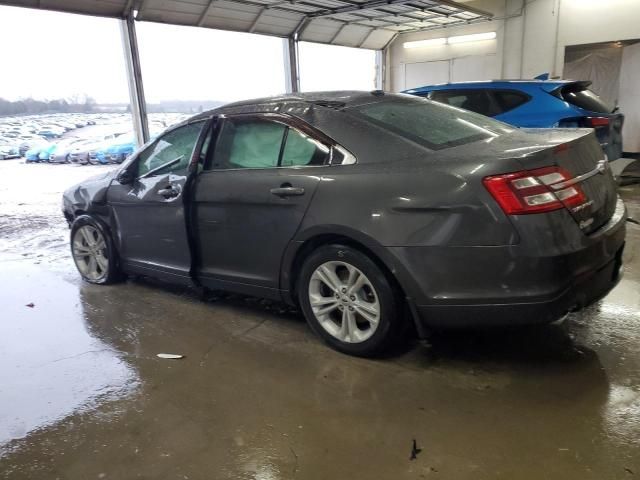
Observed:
{"x":582,"y":97}
{"x":430,"y":124}
{"x":475,"y":100}
{"x":509,"y":99}
{"x":300,"y":150}
{"x":259,"y":143}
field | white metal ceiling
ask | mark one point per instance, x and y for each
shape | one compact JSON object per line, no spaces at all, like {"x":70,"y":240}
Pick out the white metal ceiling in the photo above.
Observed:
{"x":354,"y":23}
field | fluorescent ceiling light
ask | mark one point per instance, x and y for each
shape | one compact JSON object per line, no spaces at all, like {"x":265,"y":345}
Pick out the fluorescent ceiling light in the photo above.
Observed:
{"x":451,"y":40}
{"x":425,"y":43}
{"x":471,"y":38}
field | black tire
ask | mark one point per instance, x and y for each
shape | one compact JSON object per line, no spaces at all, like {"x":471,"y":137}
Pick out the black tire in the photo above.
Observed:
{"x":113,"y":272}
{"x":392,"y":318}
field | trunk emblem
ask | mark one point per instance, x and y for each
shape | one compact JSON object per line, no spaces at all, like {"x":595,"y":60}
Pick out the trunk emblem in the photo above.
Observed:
{"x":602,"y":166}
{"x":585,"y":223}
{"x":582,"y":207}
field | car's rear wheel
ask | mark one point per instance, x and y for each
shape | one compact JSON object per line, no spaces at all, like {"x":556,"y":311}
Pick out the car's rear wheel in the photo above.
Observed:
{"x":349,"y":301}
{"x":93,"y":251}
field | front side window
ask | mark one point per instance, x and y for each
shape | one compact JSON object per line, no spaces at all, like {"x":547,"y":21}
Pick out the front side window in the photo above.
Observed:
{"x":172,"y":150}
{"x":260,"y":143}
{"x":431,"y":124}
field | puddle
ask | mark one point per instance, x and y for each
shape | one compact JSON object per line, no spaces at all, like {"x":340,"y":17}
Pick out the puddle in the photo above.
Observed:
{"x":51,"y":366}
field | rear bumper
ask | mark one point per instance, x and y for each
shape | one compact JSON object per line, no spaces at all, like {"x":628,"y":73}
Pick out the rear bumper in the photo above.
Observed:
{"x":486,"y":286}
{"x":584,"y":291}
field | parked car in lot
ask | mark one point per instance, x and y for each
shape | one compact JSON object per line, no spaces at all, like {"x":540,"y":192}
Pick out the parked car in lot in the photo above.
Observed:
{"x":119,"y":149}
{"x":33,"y":154}
{"x":62,"y":149}
{"x":81,"y":151}
{"x":97,"y":155}
{"x":66,"y":126}
{"x":8,"y":149}
{"x":25,"y":142}
{"x":535,"y":104}
{"x":45,"y":152}
{"x":51,"y":132}
{"x":365,"y":209}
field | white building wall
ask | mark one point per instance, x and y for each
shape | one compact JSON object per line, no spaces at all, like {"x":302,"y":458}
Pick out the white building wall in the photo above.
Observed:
{"x":629,"y":98}
{"x":399,"y":57}
{"x":530,"y":40}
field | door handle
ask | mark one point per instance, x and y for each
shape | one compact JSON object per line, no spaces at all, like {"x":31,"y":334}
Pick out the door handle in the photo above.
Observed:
{"x":169,"y":192}
{"x":287,"y":191}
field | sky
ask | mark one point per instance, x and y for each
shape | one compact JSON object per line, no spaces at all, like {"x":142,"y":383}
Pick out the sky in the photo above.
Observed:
{"x":61,"y":55}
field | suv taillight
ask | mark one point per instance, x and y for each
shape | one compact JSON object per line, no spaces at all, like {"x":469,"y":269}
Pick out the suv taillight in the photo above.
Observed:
{"x":532,"y":191}
{"x":595,"y":122}
{"x":584,"y":122}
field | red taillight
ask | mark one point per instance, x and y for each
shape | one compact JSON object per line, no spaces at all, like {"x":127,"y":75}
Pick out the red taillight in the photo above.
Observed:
{"x":595,"y":122}
{"x":534,"y":191}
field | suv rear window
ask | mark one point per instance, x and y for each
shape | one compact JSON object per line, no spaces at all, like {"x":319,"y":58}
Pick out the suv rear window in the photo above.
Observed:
{"x":475,"y":100}
{"x":509,"y":99}
{"x":431,"y":124}
{"x":582,"y":97}
{"x":488,"y":102}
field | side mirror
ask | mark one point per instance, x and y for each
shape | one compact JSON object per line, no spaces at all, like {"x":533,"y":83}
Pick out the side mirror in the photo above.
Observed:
{"x":125,"y":177}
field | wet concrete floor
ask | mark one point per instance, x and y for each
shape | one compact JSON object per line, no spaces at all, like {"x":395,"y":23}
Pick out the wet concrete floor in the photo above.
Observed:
{"x":257,"y":396}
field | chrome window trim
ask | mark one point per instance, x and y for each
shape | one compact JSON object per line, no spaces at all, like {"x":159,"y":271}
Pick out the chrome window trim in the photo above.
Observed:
{"x":347,"y":157}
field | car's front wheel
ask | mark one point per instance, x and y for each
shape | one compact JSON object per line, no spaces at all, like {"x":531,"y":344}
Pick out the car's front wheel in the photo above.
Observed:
{"x":349,"y":301}
{"x":93,"y":251}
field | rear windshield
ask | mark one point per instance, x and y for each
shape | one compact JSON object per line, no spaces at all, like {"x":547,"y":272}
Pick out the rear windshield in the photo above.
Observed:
{"x":586,"y":99}
{"x":431,"y":124}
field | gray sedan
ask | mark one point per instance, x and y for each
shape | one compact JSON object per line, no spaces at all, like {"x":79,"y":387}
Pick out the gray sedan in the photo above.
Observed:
{"x":377,"y":214}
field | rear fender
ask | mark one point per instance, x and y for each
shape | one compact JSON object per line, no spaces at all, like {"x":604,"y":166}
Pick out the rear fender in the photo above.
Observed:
{"x":357,"y":238}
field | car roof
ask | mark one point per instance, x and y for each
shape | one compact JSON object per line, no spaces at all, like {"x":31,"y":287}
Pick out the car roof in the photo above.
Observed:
{"x":518,"y":84}
{"x":281,"y":103}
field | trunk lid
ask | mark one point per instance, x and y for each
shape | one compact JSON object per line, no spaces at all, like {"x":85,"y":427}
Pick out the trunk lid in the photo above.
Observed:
{"x":579,"y":153}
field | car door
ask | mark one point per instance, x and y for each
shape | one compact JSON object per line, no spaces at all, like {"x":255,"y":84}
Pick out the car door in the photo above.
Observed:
{"x":250,"y":199}
{"x":148,"y":206}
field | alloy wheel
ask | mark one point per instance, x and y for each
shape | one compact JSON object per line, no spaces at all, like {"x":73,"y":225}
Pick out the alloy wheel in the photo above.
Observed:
{"x":90,"y":253}
{"x":344,"y":301}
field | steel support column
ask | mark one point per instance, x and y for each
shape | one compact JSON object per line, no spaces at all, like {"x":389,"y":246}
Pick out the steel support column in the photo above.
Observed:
{"x":134,"y":80}
{"x":291,"y":64}
{"x":381,"y":69}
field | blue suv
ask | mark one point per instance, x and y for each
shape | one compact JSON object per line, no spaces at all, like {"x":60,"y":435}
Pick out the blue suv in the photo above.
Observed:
{"x":536,"y":104}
